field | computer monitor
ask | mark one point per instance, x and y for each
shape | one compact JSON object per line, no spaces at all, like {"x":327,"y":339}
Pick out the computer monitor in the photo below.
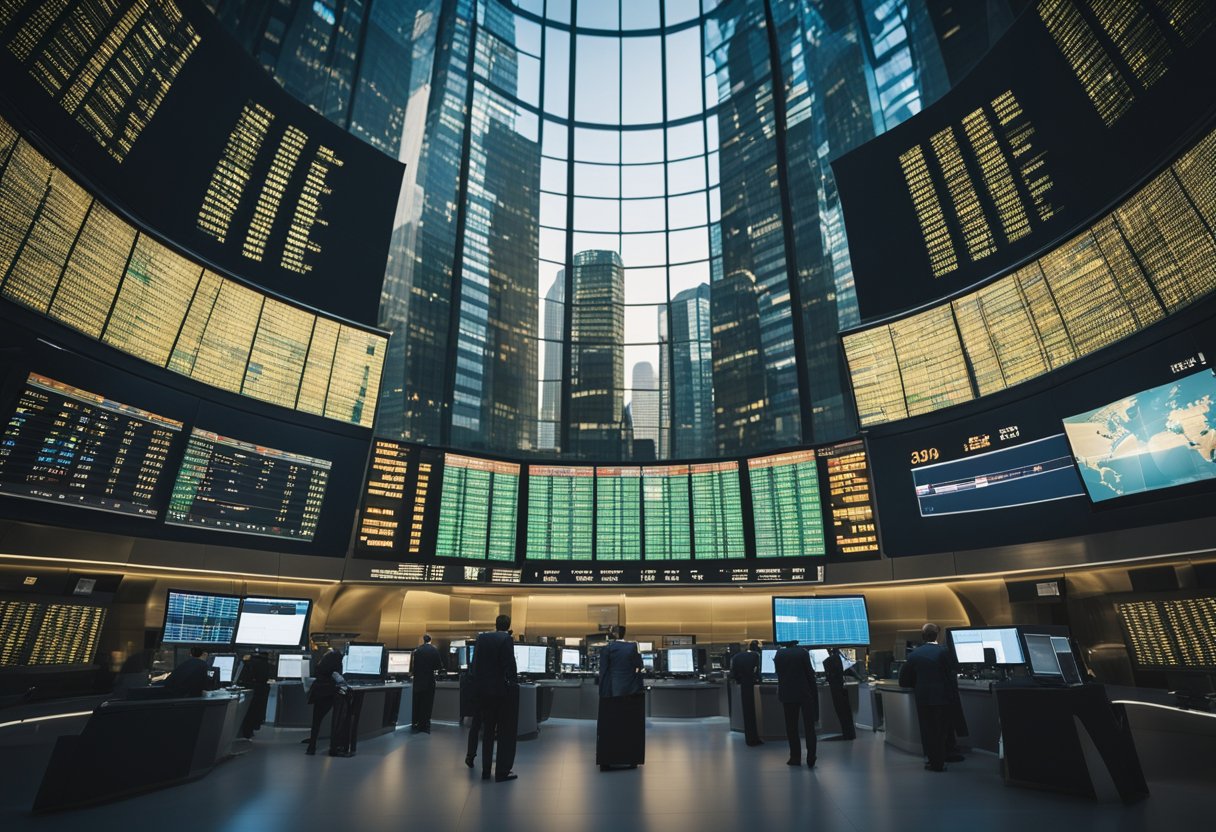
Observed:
{"x":645,"y":646}
{"x":817,"y":657}
{"x":363,"y":659}
{"x":969,"y":645}
{"x":226,"y":665}
{"x":399,"y":662}
{"x":531,"y":659}
{"x":571,"y":657}
{"x":292,"y":667}
{"x":1068,"y":662}
{"x":767,"y":668}
{"x":199,"y":617}
{"x":648,"y":661}
{"x":680,"y":660}
{"x":1043,"y":659}
{"x":273,"y":622}
{"x":832,"y":621}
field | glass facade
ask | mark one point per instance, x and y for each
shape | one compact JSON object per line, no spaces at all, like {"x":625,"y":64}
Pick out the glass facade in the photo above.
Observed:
{"x":619,"y":238}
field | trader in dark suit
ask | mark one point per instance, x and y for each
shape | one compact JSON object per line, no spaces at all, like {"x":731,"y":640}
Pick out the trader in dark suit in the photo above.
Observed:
{"x":423,"y":667}
{"x":930,"y":672}
{"x":745,"y":670}
{"x":833,"y":667}
{"x":322,"y":694}
{"x":191,"y":677}
{"x":496,"y":684}
{"x":798,"y":694}
{"x":620,"y":735}
{"x":256,"y":676}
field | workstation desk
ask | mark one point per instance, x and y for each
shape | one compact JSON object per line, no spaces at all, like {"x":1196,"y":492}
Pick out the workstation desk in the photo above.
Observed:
{"x":771,"y":714}
{"x":895,"y":712}
{"x":684,"y":698}
{"x":447,"y":706}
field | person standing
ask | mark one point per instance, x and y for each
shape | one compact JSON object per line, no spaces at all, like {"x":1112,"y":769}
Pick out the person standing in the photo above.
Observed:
{"x":322,"y":693}
{"x":798,"y":693}
{"x":423,"y":667}
{"x":621,"y":723}
{"x":929,"y":671}
{"x":496,"y":685}
{"x":745,"y":670}
{"x":470,"y":708}
{"x":256,"y":676}
{"x":833,"y":666}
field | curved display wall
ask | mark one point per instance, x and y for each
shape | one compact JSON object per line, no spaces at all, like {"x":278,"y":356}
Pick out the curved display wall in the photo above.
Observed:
{"x":1150,"y":257}
{"x":455,"y":517}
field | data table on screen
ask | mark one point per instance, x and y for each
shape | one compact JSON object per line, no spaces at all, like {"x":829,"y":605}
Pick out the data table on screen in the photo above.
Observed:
{"x":477,"y":508}
{"x":618,"y":513}
{"x":561,"y":504}
{"x":192,"y":618}
{"x":786,"y":509}
{"x":821,"y":621}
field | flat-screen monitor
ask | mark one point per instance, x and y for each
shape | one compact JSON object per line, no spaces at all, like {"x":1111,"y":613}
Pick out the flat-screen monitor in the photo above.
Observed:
{"x":1068,"y":662}
{"x":531,"y":659}
{"x":681,"y":660}
{"x":571,"y":657}
{"x":399,"y":662}
{"x":1158,"y":438}
{"x":648,"y":661}
{"x":363,"y":660}
{"x":767,"y":668}
{"x":200,"y":617}
{"x":273,"y":622}
{"x":226,"y":665}
{"x":817,"y":657}
{"x":293,"y":667}
{"x":645,"y":646}
{"x":821,"y":622}
{"x":1043,"y":659}
{"x":969,"y":645}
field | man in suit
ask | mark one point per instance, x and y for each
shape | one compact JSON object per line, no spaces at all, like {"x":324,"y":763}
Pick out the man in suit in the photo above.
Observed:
{"x":620,"y":677}
{"x":191,"y":677}
{"x":833,"y":666}
{"x":496,"y":685}
{"x":423,"y":667}
{"x":745,"y":670}
{"x":929,"y":670}
{"x":798,"y":694}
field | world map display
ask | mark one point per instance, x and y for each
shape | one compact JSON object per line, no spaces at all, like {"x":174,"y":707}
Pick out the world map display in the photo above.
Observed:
{"x":1156,"y":439}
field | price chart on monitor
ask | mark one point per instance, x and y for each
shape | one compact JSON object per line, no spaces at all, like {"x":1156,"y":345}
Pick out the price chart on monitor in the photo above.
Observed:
{"x":821,"y":621}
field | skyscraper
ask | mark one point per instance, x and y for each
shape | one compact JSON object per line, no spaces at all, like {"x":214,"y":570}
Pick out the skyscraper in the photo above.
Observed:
{"x":692,"y":371}
{"x":598,"y":428}
{"x":644,"y":411}
{"x":547,"y":432}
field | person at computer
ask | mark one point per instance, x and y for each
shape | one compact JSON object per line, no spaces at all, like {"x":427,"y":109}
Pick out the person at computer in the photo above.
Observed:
{"x":621,"y":669}
{"x":833,"y":667}
{"x":496,"y":684}
{"x":191,"y":677}
{"x":799,"y":695}
{"x":323,"y":692}
{"x":423,"y":667}
{"x":745,"y":670}
{"x":931,"y":673}
{"x":255,"y":675}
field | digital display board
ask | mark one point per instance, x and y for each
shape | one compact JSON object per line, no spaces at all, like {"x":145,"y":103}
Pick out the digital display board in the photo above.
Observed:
{"x":618,"y":513}
{"x":561,"y":504}
{"x":33,"y":633}
{"x":1015,"y":157}
{"x":477,"y":508}
{"x":72,"y":447}
{"x":854,"y":526}
{"x":382,"y":517}
{"x":199,"y":618}
{"x":18,"y":621}
{"x":231,"y":485}
{"x":1177,"y":630}
{"x":159,"y":107}
{"x":821,"y":622}
{"x":665,"y":512}
{"x":1158,"y":438}
{"x":717,"y":512}
{"x":787,"y":511}
{"x":272,"y":622}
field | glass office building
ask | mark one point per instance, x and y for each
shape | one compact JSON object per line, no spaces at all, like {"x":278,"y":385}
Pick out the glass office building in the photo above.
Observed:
{"x":619,"y":235}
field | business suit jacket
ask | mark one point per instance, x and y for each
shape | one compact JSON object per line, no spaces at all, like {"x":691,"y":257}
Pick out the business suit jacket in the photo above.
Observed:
{"x":190,"y":678}
{"x":324,"y":686}
{"x":424,"y":665}
{"x":620,"y":669}
{"x":930,"y":672}
{"x":745,"y":668}
{"x":494,"y":668}
{"x":796,"y":677}
{"x":833,"y":666}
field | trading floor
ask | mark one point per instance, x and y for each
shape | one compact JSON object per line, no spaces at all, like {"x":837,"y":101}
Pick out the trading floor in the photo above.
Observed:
{"x":698,"y":777}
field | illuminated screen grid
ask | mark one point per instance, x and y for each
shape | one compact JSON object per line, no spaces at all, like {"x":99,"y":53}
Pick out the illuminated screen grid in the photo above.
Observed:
{"x":230,"y":485}
{"x":200,"y":619}
{"x":68,"y":446}
{"x":665,"y":505}
{"x":68,"y":257}
{"x":717,"y":512}
{"x":560,"y":508}
{"x":821,"y":621}
{"x":618,"y":514}
{"x":477,"y":509}
{"x":786,"y":508}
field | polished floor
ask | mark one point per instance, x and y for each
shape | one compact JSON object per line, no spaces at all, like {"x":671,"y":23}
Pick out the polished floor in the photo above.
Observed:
{"x":698,"y":777}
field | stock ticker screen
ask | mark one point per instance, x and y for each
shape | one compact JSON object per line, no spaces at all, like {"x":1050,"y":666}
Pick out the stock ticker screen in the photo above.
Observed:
{"x":1020,"y":153}
{"x":73,"y":447}
{"x":227,"y":484}
{"x":618,"y":513}
{"x":561,"y":502}
{"x":787,"y":511}
{"x":477,"y":509}
{"x":163,"y":111}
